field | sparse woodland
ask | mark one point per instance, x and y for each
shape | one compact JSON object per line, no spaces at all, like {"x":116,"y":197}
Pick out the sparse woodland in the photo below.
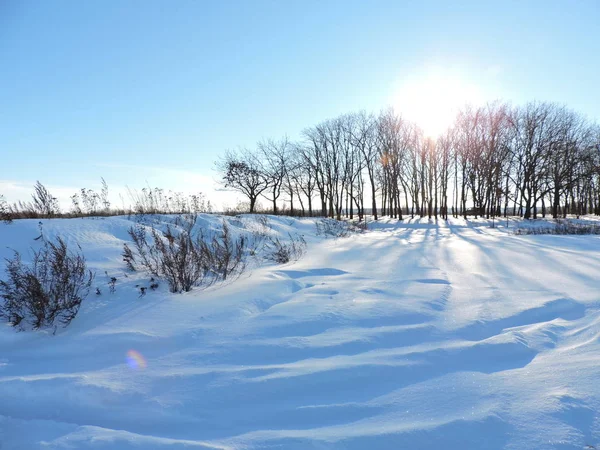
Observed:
{"x":534,"y":160}
{"x":540,"y":159}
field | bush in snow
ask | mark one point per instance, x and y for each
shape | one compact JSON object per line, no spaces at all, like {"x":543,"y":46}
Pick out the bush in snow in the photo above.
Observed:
{"x":44,"y":202}
{"x":562,"y":227}
{"x":338,"y":228}
{"x":259,"y":228}
{"x":128,"y":256}
{"x":48,"y":290}
{"x":4,"y":211}
{"x":284,"y":252}
{"x":183,"y":260}
{"x":224,"y":254}
{"x":331,"y":227}
{"x":176,"y":257}
{"x":158,"y":201}
{"x":240,"y":208}
{"x":360,"y":226}
{"x":263,"y":221}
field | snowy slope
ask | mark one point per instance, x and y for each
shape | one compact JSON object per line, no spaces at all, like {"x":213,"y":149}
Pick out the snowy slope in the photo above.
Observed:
{"x":413,"y":335}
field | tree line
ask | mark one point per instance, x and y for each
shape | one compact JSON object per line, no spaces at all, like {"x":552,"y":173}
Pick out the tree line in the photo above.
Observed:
{"x":537,"y":159}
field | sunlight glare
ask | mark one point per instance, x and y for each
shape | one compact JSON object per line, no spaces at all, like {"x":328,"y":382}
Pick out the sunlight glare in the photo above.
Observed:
{"x":433,"y":99}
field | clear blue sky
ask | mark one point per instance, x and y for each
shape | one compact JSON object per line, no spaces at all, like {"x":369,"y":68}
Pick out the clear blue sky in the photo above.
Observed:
{"x":156,"y":90}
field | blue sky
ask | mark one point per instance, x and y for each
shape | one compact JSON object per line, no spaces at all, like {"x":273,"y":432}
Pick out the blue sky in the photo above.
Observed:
{"x":153,"y":91}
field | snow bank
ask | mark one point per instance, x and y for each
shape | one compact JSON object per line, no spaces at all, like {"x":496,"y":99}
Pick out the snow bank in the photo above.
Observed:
{"x":413,"y":335}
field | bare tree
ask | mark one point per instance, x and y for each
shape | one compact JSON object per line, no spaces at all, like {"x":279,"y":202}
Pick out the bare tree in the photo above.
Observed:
{"x":243,"y":172}
{"x":534,"y":126}
{"x":302,"y":176}
{"x":534,"y":156}
{"x":365,"y":140}
{"x":273,"y":156}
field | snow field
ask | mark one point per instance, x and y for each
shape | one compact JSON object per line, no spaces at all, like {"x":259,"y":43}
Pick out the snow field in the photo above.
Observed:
{"x":413,"y":335}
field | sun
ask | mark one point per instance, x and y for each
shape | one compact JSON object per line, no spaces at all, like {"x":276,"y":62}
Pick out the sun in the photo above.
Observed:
{"x":432,"y":100}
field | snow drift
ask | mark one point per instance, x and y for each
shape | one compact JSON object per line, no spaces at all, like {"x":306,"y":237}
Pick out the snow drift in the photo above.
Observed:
{"x":412,"y":335}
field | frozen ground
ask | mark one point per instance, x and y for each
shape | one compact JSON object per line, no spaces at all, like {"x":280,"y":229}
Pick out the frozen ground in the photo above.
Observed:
{"x":411,"y":336}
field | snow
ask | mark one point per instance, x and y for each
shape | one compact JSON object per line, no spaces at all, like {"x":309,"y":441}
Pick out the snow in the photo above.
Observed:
{"x":413,"y":335}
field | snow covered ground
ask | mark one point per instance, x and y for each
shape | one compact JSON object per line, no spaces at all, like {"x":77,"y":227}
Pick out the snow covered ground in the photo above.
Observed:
{"x":415,"y":335}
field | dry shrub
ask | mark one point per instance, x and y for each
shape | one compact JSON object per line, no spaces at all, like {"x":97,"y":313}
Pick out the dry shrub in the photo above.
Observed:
{"x":284,"y":252}
{"x":47,"y":291}
{"x":562,"y":227}
{"x":338,"y":228}
{"x":183,"y":260}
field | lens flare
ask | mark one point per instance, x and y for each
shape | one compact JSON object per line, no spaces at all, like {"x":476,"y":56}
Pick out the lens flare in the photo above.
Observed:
{"x":135,"y":360}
